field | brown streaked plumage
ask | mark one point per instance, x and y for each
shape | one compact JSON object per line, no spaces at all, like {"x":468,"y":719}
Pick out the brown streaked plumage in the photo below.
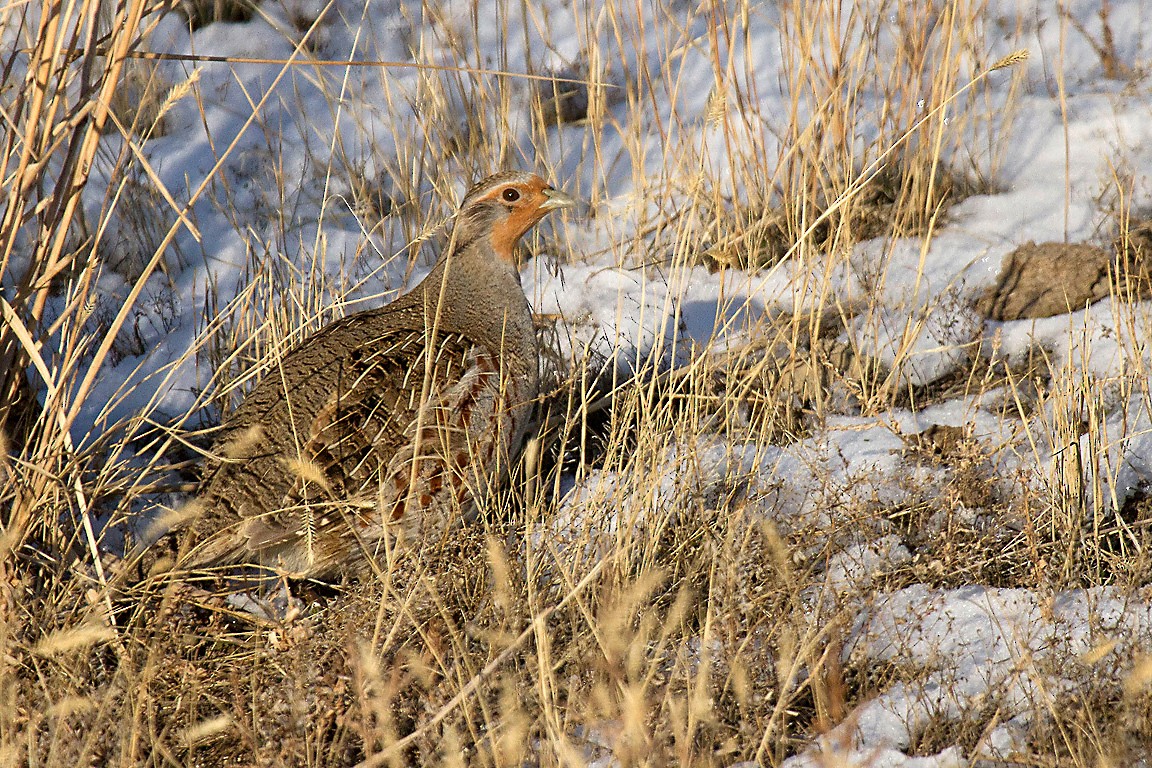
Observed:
{"x":391,"y":419}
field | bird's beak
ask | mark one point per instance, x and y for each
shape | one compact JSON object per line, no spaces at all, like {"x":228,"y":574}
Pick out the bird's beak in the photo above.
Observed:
{"x":557,"y":199}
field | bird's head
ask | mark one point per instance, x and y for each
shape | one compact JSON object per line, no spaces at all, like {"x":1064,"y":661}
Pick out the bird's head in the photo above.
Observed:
{"x":505,"y":206}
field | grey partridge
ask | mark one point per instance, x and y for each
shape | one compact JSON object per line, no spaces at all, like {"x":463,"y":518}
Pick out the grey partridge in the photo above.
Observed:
{"x":398,"y":418}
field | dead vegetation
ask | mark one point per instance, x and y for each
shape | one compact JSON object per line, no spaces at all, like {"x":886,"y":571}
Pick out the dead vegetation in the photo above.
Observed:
{"x":682,"y":607}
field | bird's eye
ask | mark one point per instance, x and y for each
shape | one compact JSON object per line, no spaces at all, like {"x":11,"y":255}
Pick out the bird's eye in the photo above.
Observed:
{"x":511,"y":195}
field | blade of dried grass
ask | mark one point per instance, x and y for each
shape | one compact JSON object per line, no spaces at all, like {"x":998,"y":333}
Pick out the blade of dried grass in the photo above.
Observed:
{"x":534,"y":626}
{"x":101,"y":353}
{"x":17,"y":327}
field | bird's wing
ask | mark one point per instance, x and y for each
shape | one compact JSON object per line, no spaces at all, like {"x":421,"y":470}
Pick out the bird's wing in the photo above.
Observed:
{"x":405,"y":435}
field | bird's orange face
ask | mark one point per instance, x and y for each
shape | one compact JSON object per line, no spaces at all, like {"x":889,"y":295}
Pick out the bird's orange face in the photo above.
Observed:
{"x":524,"y":203}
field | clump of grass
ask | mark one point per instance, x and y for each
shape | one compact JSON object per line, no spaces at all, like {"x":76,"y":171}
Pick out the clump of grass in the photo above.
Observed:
{"x":869,"y":148}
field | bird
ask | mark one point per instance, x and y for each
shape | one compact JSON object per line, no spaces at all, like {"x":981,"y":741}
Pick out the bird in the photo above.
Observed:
{"x":394,"y":419}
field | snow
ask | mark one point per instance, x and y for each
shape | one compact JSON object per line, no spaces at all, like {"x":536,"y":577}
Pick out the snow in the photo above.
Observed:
{"x":1054,"y":172}
{"x":980,"y":642}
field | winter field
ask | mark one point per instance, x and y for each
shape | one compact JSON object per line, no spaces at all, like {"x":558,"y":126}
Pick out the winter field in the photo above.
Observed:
{"x":847,"y":453}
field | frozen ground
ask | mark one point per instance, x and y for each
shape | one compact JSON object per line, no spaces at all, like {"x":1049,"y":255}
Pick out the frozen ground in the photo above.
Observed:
{"x":1055,"y":177}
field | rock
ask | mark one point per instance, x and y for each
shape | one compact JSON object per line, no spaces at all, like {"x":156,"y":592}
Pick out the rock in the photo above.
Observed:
{"x":564,"y":99}
{"x":1046,"y":279}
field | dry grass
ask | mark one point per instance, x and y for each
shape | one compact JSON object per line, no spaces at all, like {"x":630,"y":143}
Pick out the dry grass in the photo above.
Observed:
{"x":673,"y":612}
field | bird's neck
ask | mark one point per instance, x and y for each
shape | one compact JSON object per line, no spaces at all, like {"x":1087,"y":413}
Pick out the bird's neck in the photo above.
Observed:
{"x":481,"y":289}
{"x":471,"y":264}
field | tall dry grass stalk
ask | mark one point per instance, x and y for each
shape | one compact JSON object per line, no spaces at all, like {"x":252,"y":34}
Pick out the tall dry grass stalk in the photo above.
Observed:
{"x":54,"y":253}
{"x":72,"y":59}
